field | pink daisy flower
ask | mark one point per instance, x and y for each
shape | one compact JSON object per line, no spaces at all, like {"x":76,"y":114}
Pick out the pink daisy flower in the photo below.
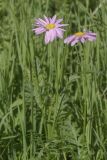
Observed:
{"x":80,"y":37}
{"x":51,"y":26}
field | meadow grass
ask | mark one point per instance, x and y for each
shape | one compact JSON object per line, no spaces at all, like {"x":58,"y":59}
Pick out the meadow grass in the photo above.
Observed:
{"x":53,"y":98}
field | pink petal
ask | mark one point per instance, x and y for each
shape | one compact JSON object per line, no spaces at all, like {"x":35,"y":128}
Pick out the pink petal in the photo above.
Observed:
{"x":82,"y":39}
{"x":41,"y":21}
{"x":46,"y":19}
{"x":74,"y":42}
{"x":62,"y":25}
{"x":90,"y":38}
{"x":50,"y":20}
{"x":91,"y":34}
{"x":47,"y":37}
{"x":69,"y":39}
{"x":52,"y":34}
{"x":58,"y":21}
{"x":53,"y":19}
{"x":38,"y":25}
{"x":39,"y":30}
{"x":59,"y":33}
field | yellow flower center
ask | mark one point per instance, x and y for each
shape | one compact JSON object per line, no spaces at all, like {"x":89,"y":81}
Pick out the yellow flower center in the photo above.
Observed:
{"x":79,"y":34}
{"x":50,"y":26}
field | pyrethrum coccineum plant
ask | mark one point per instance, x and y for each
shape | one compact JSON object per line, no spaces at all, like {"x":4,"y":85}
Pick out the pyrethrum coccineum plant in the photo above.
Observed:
{"x":53,"y":98}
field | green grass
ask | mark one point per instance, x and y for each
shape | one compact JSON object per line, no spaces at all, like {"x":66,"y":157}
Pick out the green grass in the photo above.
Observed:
{"x":53,"y":98}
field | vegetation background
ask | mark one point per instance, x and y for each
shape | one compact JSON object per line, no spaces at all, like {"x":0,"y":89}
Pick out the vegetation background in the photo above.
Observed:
{"x":53,"y":98}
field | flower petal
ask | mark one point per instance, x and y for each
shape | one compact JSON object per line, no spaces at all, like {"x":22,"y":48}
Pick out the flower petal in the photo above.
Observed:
{"x":90,"y":38}
{"x":58,"y":21}
{"x":74,"y":42}
{"x":53,"y":34}
{"x":91,"y":33}
{"x":59,"y":33}
{"x":69,"y":39}
{"x":53,"y":19}
{"x":47,"y":37}
{"x":62,"y":25}
{"x":39,"y":30}
{"x":46,"y":19}
{"x":41,"y":21}
{"x":82,"y":39}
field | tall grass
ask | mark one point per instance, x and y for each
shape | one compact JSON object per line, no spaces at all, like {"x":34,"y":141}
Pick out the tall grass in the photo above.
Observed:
{"x":53,"y":98}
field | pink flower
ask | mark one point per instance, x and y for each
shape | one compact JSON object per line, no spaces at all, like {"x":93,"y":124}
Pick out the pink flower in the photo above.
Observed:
{"x":80,"y":37}
{"x":51,"y":26}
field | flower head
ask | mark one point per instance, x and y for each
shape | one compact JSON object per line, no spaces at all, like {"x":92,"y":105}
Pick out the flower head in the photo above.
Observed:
{"x":51,"y":26}
{"x":80,"y":37}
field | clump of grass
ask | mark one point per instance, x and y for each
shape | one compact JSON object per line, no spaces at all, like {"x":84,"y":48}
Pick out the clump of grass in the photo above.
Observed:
{"x":53,"y":98}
